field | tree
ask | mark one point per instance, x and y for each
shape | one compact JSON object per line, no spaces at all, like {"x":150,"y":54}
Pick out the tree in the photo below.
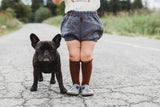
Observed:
{"x":137,"y":4}
{"x":22,"y":11}
{"x":36,"y":4}
{"x":104,"y":7}
{"x":114,"y":6}
{"x":129,"y":5}
{"x":8,"y":3}
{"x":125,"y":5}
{"x":16,"y":1}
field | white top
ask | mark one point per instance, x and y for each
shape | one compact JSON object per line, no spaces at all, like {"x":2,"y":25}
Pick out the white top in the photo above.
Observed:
{"x":81,"y":5}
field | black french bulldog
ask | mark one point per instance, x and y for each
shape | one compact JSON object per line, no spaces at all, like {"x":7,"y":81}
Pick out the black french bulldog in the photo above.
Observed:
{"x":46,"y":60}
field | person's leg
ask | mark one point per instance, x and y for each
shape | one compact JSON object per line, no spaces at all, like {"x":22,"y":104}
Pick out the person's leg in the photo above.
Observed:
{"x":87,"y":48}
{"x":74,"y":57}
{"x":74,"y":50}
{"x":74,"y":64}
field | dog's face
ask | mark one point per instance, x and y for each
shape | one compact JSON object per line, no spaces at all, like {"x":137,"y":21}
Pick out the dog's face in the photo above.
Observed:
{"x":45,"y":51}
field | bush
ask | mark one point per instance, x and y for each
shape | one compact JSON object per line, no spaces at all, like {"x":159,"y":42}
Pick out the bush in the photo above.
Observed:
{"x":11,"y":11}
{"x":17,"y":9}
{"x":41,"y":14}
{"x":7,"y":3}
{"x":23,"y":12}
{"x":7,"y":20}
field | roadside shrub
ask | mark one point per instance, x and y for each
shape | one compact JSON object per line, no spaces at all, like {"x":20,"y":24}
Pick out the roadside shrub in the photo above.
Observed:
{"x":7,"y":20}
{"x":41,"y":14}
{"x":22,"y":11}
{"x":11,"y":11}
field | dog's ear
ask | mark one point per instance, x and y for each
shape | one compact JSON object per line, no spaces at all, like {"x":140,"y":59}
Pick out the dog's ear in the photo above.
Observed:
{"x":34,"y":39}
{"x":57,"y":40}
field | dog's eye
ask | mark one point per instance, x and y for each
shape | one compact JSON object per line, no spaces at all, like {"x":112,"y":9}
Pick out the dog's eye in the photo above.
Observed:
{"x":53,"y":51}
{"x":39,"y":51}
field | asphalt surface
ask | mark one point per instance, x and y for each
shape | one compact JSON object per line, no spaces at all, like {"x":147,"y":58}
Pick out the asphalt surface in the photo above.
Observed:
{"x":126,"y":72}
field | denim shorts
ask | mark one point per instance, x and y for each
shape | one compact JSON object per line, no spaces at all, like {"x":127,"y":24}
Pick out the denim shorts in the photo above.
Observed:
{"x":81,"y":25}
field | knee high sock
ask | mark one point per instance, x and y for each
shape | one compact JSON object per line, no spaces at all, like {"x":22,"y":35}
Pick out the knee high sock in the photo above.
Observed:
{"x":74,"y":71}
{"x":86,"y":72}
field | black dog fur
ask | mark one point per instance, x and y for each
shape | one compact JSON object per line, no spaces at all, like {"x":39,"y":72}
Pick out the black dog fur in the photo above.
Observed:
{"x":46,"y":60}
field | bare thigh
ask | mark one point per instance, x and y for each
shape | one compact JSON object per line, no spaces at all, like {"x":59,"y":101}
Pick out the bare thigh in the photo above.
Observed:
{"x":74,"y":48}
{"x":87,"y":48}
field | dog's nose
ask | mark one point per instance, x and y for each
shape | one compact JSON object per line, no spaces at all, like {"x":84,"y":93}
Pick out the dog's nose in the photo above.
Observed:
{"x":46,"y":53}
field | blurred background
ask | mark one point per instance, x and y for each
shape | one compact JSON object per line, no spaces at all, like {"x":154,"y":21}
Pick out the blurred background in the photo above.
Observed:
{"x":119,"y":17}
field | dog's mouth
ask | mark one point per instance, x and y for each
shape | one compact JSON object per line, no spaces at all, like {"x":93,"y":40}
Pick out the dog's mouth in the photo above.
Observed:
{"x":46,"y":59}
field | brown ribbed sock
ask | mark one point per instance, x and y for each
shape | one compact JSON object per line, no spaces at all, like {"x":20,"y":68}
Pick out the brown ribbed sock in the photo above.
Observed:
{"x":86,"y":72}
{"x":74,"y":70}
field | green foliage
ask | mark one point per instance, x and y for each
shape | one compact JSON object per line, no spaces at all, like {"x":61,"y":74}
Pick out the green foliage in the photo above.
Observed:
{"x":54,"y":20}
{"x":135,"y":25}
{"x":103,"y":8}
{"x":23,"y":11}
{"x":52,"y":7}
{"x":7,"y":3}
{"x":11,"y":11}
{"x":36,"y":4}
{"x":41,"y":14}
{"x":118,"y":5}
{"x":26,"y":14}
{"x":16,"y":8}
{"x":16,"y":1}
{"x":125,"y":5}
{"x":137,"y":4}
{"x":114,"y":6}
{"x":61,"y":8}
{"x":7,"y":20}
{"x":31,"y":18}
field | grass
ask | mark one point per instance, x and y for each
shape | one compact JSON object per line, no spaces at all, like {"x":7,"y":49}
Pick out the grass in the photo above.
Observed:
{"x":142,"y":23}
{"x":7,"y":31}
{"x":147,"y":25}
{"x":56,"y":21}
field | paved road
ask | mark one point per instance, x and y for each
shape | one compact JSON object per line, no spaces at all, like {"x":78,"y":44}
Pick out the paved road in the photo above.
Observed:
{"x":126,"y":72}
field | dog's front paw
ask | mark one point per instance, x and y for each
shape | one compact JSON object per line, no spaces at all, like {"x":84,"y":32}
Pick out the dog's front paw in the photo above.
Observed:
{"x":40,"y":79}
{"x":63,"y":91}
{"x":33,"y":88}
{"x":52,"y":82}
